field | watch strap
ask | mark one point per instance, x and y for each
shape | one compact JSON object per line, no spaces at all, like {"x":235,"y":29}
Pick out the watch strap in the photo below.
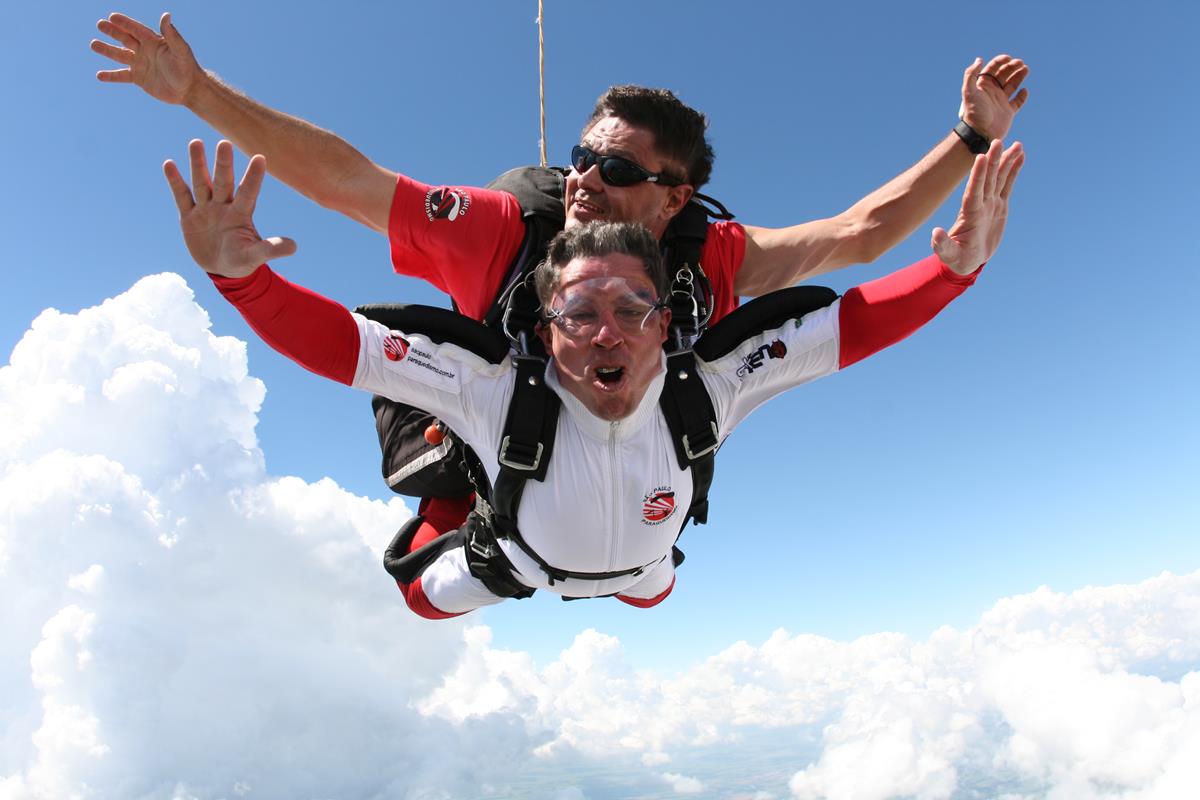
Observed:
{"x":976,"y":143}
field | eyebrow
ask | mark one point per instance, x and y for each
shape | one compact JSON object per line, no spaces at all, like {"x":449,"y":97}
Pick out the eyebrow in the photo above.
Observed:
{"x":617,"y":152}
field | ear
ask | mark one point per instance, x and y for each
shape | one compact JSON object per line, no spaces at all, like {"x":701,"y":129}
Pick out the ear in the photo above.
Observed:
{"x":677,"y":198}
{"x":664,"y":322}
{"x":543,"y":332}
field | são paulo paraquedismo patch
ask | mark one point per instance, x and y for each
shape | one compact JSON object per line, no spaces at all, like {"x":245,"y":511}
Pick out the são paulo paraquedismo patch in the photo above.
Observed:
{"x":658,"y":505}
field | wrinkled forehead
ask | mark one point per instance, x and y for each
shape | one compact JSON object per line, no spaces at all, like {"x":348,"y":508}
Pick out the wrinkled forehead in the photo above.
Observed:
{"x":609,"y":292}
{"x":614,"y":136}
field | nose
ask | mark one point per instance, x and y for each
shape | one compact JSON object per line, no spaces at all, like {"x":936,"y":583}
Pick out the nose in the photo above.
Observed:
{"x":609,"y":334}
{"x":590,"y":179}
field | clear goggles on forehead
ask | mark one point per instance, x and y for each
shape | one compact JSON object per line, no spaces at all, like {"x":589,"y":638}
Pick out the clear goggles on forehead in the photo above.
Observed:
{"x":581,"y":308}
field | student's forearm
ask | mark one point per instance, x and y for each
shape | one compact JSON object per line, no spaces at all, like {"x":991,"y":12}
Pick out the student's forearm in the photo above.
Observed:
{"x":882,"y":312}
{"x":780,"y":257}
{"x":315,"y":162}
{"x":314,"y":331}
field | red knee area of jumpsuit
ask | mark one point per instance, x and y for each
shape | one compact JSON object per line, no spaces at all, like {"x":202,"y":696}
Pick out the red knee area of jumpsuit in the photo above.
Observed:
{"x":418,"y":603}
{"x":441,"y":515}
{"x":638,"y":602}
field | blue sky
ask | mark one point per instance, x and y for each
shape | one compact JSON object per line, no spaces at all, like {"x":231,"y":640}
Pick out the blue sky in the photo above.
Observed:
{"x":1042,"y":431}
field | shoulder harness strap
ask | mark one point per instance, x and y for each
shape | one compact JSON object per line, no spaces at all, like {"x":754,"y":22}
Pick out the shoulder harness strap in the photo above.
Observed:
{"x":685,"y":403}
{"x":692,"y":420}
{"x":761,"y":314}
{"x":539,"y":191}
{"x":441,"y":325}
{"x":525,"y":450}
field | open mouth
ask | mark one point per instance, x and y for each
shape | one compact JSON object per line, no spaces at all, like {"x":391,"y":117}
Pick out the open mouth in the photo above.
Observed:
{"x":584,"y":207}
{"x":610,"y":376}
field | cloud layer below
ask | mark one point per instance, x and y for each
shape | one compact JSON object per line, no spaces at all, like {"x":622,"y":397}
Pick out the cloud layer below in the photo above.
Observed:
{"x":179,"y":624}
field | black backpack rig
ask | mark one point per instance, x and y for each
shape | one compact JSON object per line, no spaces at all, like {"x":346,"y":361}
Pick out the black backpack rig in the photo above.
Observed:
{"x":421,"y":458}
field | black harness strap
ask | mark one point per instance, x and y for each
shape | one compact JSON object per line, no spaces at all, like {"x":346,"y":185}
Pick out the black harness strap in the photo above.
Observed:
{"x":440,"y":325}
{"x":539,"y":190}
{"x":406,"y":567}
{"x":530,"y":426}
{"x":761,"y":314}
{"x":692,"y":420}
{"x":487,"y":561}
{"x":690,"y":295}
{"x":525,"y":451}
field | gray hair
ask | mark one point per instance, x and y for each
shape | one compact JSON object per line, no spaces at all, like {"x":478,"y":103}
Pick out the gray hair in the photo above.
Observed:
{"x":595,"y":240}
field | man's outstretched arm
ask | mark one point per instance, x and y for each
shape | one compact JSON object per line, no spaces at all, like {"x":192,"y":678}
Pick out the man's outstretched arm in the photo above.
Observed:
{"x":880,"y":313}
{"x":779,"y":257}
{"x":318,"y":164}
{"x":218,"y":227}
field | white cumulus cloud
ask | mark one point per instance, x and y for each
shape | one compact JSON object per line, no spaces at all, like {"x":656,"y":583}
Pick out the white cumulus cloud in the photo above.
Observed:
{"x":179,"y":624}
{"x":682,"y":784}
{"x":1091,"y":694}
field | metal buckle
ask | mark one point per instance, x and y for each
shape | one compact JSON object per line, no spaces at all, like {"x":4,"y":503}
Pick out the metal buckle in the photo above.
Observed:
{"x":483,"y":508}
{"x":518,"y":338}
{"x":687,"y":447}
{"x":502,"y":456}
{"x":481,"y":549}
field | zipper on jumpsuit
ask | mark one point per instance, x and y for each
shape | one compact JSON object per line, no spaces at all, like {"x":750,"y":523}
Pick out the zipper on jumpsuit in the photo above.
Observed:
{"x":614,"y":507}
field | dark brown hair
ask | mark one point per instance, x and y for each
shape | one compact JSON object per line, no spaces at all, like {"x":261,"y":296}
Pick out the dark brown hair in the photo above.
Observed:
{"x":678,"y":130}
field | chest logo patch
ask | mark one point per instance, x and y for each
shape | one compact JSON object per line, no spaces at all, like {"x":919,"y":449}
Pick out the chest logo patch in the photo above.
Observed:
{"x":395,"y":347}
{"x":658,"y":506}
{"x":446,"y":203}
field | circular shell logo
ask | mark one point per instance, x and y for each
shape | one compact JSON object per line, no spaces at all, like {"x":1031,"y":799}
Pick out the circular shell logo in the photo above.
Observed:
{"x":658,"y":506}
{"x":395,"y":347}
{"x":446,"y":203}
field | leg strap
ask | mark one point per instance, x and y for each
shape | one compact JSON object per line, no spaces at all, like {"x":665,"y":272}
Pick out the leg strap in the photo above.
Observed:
{"x":488,"y":562}
{"x":406,"y":567}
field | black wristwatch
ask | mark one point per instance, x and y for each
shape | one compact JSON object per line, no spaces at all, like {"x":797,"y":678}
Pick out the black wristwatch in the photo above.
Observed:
{"x":975,"y":143}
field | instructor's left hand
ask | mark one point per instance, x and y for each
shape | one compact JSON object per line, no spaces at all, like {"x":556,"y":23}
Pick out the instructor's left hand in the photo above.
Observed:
{"x":992,"y":95}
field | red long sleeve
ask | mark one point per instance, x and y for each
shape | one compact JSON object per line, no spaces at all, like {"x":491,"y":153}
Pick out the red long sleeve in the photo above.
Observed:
{"x":884,"y":311}
{"x":312,"y":330}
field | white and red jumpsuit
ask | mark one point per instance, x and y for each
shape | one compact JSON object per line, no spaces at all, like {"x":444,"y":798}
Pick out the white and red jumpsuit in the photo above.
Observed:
{"x":614,"y":497}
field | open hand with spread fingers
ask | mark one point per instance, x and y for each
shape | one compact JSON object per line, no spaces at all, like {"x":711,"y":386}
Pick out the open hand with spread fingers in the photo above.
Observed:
{"x":160,"y":62}
{"x":218,"y":220}
{"x":977,"y":231}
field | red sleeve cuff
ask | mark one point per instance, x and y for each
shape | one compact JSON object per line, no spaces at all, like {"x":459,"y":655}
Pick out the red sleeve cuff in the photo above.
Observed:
{"x":881,"y":312}
{"x":953,"y":278}
{"x":259,"y":278}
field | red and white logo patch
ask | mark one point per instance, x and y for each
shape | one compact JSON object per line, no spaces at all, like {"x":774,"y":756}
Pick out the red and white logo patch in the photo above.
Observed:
{"x":658,"y":506}
{"x":395,"y":347}
{"x":446,"y":203}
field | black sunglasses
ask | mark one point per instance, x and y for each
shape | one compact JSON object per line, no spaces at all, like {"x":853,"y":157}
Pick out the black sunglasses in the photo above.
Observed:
{"x":617,"y":171}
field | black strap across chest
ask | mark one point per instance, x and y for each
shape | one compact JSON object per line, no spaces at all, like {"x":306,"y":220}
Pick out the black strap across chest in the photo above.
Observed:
{"x":527,"y":444}
{"x":528,"y":440}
